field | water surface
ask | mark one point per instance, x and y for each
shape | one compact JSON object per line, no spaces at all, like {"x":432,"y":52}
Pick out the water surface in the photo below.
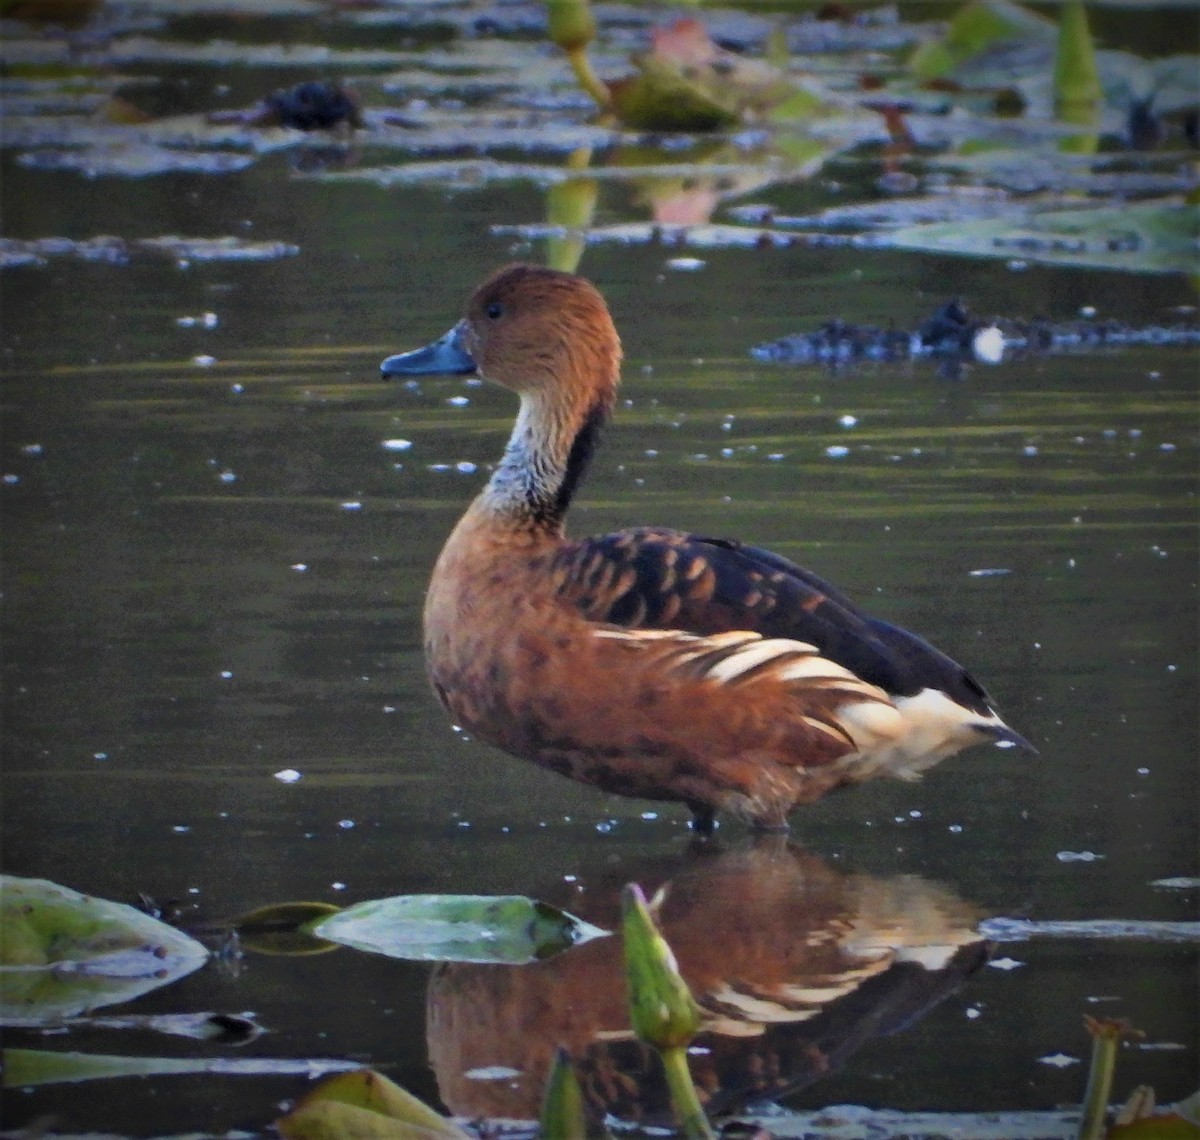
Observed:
{"x":216,"y":550}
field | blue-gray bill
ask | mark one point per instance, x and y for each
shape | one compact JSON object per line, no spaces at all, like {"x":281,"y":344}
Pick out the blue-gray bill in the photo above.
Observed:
{"x":444,"y":357}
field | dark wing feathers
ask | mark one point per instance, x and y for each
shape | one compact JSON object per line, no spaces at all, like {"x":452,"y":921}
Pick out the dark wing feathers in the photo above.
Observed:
{"x":649,"y":578}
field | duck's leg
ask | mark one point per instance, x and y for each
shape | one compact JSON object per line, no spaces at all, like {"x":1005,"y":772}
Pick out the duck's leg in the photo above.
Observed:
{"x":704,"y":818}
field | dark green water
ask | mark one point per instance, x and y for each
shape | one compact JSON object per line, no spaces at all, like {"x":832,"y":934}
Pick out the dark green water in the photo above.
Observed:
{"x":213,"y":573}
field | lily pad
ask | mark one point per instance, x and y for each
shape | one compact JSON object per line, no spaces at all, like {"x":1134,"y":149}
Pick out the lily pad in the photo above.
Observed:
{"x":366,"y":1105}
{"x":1140,"y":238}
{"x":457,"y":928}
{"x":24,"y":1068}
{"x":62,"y":952}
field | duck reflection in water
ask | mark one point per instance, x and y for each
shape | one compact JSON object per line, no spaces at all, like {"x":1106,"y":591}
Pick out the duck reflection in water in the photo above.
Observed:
{"x":795,"y":965}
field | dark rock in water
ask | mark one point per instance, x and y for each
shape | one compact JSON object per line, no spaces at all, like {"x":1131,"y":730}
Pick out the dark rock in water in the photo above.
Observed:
{"x":951,"y":332}
{"x":311,"y":106}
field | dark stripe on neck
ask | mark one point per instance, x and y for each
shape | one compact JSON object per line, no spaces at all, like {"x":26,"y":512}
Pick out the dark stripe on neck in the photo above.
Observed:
{"x":551,"y":510}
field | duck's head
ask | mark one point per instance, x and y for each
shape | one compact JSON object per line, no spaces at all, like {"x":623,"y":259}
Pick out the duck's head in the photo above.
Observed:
{"x":540,"y":332}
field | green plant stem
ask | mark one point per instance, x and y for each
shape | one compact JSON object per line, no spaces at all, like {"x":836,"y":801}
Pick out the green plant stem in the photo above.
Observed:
{"x":683,"y":1095}
{"x":1099,"y":1085}
{"x":588,"y":79}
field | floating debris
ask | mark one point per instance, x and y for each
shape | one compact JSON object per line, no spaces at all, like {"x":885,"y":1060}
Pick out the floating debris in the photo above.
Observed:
{"x":951,"y":331}
{"x":312,"y":106}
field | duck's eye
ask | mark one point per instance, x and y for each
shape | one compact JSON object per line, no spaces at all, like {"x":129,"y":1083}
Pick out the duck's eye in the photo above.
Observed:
{"x":494,"y":310}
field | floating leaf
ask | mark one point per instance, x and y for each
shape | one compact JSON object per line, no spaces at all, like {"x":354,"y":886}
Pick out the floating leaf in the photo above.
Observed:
{"x":364,"y":1104}
{"x":62,"y":952}
{"x":1141,"y":238}
{"x":24,"y":1068}
{"x":457,"y":928}
{"x":688,"y":83}
{"x":661,"y":98}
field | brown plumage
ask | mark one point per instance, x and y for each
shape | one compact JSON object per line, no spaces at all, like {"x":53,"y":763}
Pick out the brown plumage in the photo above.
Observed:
{"x":650,"y":662}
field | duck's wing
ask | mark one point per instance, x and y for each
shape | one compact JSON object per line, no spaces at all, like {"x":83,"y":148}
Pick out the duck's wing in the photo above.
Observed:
{"x":649,"y":578}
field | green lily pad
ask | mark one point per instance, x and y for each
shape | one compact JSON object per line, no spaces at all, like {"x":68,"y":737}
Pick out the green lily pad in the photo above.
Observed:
{"x":364,"y":1105}
{"x":456,"y":928}
{"x":1139,"y":238}
{"x":25,"y":1068}
{"x":62,"y":952}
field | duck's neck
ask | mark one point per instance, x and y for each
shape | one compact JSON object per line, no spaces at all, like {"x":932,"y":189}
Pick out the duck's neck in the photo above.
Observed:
{"x":544,"y":462}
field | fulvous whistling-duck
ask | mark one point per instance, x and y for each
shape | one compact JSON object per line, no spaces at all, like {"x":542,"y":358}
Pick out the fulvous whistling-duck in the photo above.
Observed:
{"x":651,"y":662}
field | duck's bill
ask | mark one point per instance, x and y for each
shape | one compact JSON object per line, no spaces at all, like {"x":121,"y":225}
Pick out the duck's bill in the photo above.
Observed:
{"x":1002,"y":734}
{"x":445,"y":357}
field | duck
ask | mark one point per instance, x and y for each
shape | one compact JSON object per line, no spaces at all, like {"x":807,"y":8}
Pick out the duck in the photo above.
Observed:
{"x":651,"y":662}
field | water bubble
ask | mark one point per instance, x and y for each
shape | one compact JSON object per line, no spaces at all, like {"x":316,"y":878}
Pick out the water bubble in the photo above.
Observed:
{"x":204,"y":360}
{"x":458,"y":401}
{"x":1006,"y":964}
{"x":847,"y":421}
{"x":287,"y":776}
{"x":837,"y":451}
{"x":465,"y":467}
{"x":1058,"y":1060}
{"x":300,"y":567}
{"x":352,"y":505}
{"x":345,"y":824}
{"x":396,"y":444}
{"x":987,"y":345}
{"x":1077,"y":856}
